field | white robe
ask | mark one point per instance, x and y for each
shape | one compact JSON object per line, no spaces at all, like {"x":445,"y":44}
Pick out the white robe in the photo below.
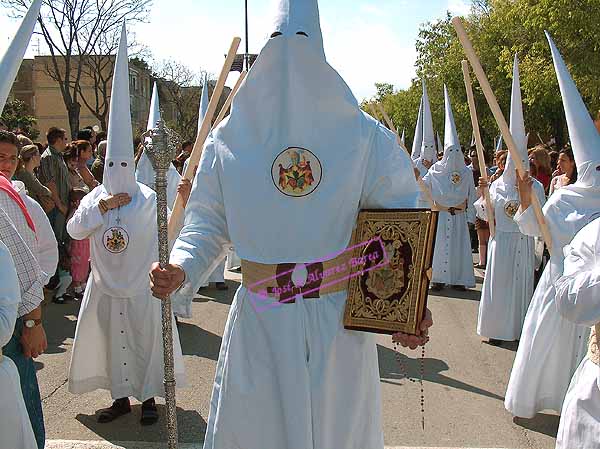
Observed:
{"x":578,"y":300}
{"x":47,"y":246}
{"x":15,"y":427}
{"x":292,"y":377}
{"x":508,"y":283}
{"x":551,"y":347}
{"x":118,"y":340}
{"x":452,"y":258}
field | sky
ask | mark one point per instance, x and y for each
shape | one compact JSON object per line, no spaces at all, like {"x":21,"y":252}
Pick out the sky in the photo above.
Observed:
{"x":366,"y":41}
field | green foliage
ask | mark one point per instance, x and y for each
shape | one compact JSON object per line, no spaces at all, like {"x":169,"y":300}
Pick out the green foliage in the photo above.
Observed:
{"x":16,"y":116}
{"x":499,"y":29}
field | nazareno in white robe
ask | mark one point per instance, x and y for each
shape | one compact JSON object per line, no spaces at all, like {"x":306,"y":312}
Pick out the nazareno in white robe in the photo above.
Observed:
{"x":578,"y":300}
{"x":118,"y":340}
{"x":292,"y":377}
{"x":452,"y":258}
{"x":551,"y":347}
{"x":509,"y":277}
{"x":15,"y":427}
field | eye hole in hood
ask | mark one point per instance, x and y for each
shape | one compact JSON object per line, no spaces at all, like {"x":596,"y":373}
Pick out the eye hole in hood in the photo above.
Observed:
{"x":275,"y":34}
{"x":302,"y":33}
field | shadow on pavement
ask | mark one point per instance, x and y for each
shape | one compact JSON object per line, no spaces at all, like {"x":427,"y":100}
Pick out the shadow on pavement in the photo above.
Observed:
{"x":390,"y":372}
{"x":197,"y":341}
{"x":450,"y":293}
{"x":190,"y":424}
{"x":59,"y":324}
{"x":221,"y":296}
{"x":541,"y":423}
{"x":507,"y":345}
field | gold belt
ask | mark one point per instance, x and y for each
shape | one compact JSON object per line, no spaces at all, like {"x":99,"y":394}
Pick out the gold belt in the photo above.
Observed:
{"x":451,"y":210}
{"x":593,"y":351}
{"x":275,"y":280}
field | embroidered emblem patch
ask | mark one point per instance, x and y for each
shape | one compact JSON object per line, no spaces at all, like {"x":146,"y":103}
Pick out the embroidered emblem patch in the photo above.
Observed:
{"x":115,"y":240}
{"x":296,"y":172}
{"x":455,"y":178}
{"x":511,"y":208}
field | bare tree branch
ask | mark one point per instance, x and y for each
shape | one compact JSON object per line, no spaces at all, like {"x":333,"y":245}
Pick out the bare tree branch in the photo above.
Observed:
{"x":76,"y":33}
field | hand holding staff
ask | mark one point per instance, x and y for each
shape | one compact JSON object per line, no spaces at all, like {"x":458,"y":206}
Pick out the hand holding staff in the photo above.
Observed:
{"x":504,"y":129}
{"x":202,"y":135}
{"x":479,"y":145}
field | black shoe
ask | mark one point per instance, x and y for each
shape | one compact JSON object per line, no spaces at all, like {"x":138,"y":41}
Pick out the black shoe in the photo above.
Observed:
{"x":119,"y":408}
{"x":53,"y":283}
{"x":62,"y":299}
{"x":436,"y":287}
{"x":494,"y":342}
{"x":460,"y":288}
{"x":221,"y":286}
{"x":149,"y":412}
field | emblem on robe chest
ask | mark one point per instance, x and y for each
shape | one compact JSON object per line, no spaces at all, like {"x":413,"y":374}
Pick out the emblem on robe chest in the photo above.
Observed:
{"x":455,"y":178}
{"x":115,"y":240}
{"x":511,"y":208}
{"x":296,"y":172}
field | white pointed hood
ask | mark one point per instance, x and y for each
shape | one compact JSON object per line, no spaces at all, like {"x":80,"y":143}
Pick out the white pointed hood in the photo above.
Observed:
{"x":144,"y":172}
{"x":428,"y":145}
{"x":440,"y":147}
{"x":585,"y":140}
{"x":119,"y":166}
{"x":499,"y":141}
{"x":292,"y":110}
{"x":450,"y":177}
{"x":203,"y":102}
{"x":12,"y":58}
{"x":154,"y":115}
{"x":293,"y":17}
{"x":418,"y":139}
{"x":517,"y":130}
{"x":453,"y":160}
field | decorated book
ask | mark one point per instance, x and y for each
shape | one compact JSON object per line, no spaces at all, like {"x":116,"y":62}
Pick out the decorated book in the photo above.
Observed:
{"x":392,"y":251}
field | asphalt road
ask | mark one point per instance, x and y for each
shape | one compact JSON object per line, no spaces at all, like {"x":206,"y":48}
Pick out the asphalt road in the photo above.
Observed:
{"x":464,"y":379}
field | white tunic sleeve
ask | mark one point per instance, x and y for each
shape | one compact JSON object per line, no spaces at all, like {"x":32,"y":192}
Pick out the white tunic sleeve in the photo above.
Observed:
{"x":204,"y":238}
{"x":527,"y":222}
{"x":9,"y":295}
{"x":578,"y":291}
{"x":390,"y":181}
{"x":470,"y":201}
{"x":87,"y":217}
{"x":47,"y":245}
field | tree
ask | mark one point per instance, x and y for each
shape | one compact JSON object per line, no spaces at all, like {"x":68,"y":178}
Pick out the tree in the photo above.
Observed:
{"x":181,"y":88}
{"x":499,"y":29}
{"x":73,"y":30}
{"x":17,"y":117}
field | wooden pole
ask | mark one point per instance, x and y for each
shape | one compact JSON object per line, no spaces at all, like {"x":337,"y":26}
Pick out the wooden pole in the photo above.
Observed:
{"x":479,"y":145}
{"x":178,"y":208}
{"x":229,"y":100}
{"x":422,"y":185}
{"x":502,"y":124}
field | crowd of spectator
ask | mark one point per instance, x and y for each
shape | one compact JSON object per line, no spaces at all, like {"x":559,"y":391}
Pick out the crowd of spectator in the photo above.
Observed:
{"x":57,"y":174}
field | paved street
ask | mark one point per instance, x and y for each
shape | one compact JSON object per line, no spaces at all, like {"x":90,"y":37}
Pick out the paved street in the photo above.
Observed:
{"x":465,"y":382}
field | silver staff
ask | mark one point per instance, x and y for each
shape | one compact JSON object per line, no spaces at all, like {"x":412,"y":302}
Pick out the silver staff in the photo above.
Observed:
{"x":160,"y":149}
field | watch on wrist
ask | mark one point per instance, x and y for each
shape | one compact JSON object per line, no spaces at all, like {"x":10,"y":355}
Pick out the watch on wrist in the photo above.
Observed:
{"x":32,"y":323}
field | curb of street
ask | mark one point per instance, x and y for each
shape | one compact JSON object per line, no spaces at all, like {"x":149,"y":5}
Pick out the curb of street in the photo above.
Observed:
{"x":101,"y":444}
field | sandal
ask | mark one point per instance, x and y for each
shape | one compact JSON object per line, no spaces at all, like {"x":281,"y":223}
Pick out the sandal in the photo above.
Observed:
{"x":149,"y":412}
{"x":119,"y":408}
